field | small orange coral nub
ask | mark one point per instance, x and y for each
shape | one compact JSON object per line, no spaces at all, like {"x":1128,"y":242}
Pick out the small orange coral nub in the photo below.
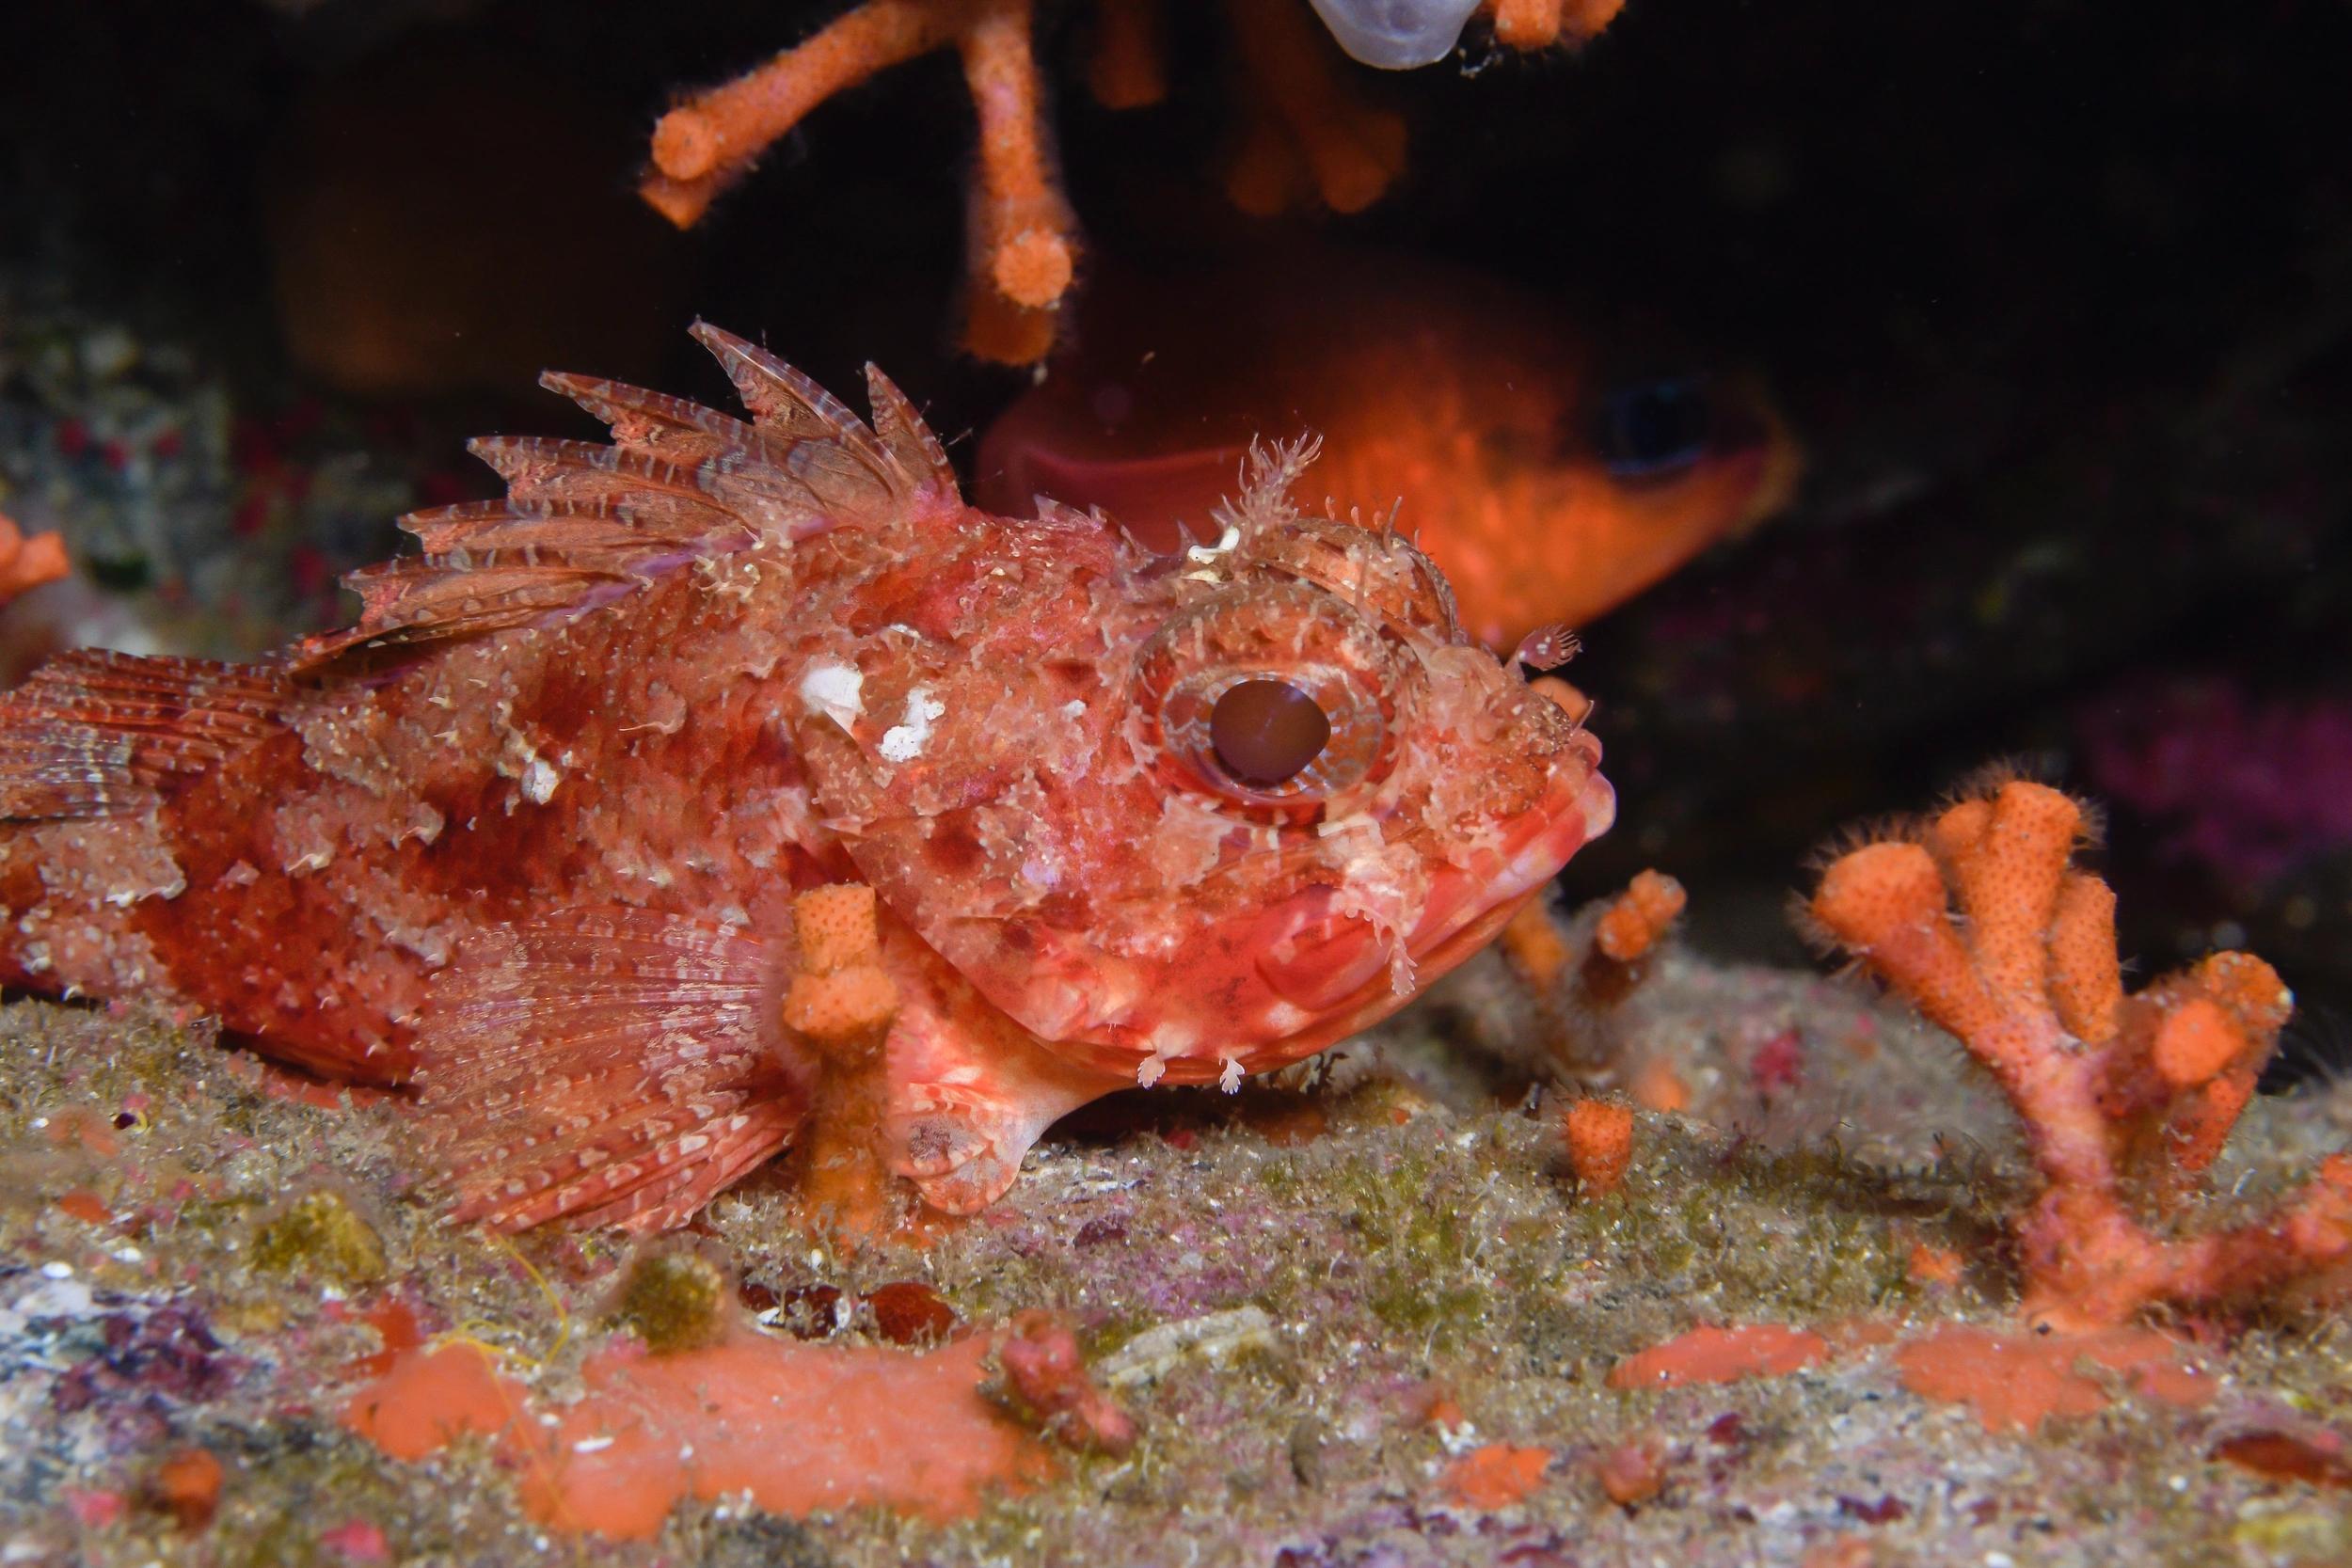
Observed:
{"x":1538,"y":24}
{"x":842,"y":990}
{"x":1496,"y":1475}
{"x":1046,"y":1379}
{"x":837,"y":927}
{"x":1641,"y":915}
{"x":1631,"y":1472}
{"x":1599,"y":1142}
{"x":1532,"y":944}
{"x":2115,"y":1093}
{"x":187,"y":1486}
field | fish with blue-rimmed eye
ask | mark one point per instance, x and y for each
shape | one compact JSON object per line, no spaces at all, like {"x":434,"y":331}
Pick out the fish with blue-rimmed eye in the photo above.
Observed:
{"x":1548,"y":486}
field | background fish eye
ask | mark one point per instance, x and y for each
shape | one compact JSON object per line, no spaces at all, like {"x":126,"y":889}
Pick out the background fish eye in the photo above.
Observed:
{"x":1654,"y":429}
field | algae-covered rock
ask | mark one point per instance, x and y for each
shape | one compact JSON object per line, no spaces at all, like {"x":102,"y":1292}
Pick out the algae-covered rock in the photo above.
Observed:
{"x":674,"y":1299}
{"x":320,"y":1235}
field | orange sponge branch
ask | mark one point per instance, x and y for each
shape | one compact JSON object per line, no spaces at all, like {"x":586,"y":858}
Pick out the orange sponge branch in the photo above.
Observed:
{"x":1311,"y":133}
{"x":1022,"y":225}
{"x":2122,"y":1098}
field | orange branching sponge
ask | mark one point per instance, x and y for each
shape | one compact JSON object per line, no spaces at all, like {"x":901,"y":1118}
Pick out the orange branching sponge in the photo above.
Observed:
{"x":26,"y":563}
{"x":1024,"y":245}
{"x":1600,"y":1139}
{"x":1310,"y":134}
{"x":2125,"y":1098}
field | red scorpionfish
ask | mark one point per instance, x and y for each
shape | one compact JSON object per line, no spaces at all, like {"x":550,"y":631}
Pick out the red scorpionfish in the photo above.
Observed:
{"x":530,"y":833}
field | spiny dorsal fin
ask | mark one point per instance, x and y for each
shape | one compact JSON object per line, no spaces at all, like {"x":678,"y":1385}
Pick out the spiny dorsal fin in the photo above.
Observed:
{"x":583,"y":524}
{"x":95,"y":732}
{"x":605,"y":1067}
{"x":830,"y":449}
{"x":905,"y":435}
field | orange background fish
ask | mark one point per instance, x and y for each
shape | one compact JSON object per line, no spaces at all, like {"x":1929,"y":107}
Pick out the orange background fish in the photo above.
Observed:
{"x":1547,"y":488}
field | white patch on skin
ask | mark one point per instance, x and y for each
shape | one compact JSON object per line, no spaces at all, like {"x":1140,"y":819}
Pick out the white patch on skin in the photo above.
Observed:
{"x":1228,"y":1076}
{"x":1224,"y":546}
{"x":1073,"y":709}
{"x":903,"y":741}
{"x":539,"y":781}
{"x":835,"y":691}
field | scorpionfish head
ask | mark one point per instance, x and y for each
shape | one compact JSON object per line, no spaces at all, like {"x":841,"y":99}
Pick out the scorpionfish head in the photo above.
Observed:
{"x":1251,"y":800}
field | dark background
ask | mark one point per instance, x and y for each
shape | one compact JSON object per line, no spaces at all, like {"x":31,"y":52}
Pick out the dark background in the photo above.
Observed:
{"x":2057,"y":296}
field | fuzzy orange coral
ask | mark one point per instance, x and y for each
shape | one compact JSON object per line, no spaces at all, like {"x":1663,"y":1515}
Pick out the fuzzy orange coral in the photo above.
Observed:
{"x":1310,"y":133}
{"x":1606,"y":967}
{"x":1024,"y":240}
{"x":1600,"y":1139}
{"x":1641,"y":916}
{"x":2120,"y":1096}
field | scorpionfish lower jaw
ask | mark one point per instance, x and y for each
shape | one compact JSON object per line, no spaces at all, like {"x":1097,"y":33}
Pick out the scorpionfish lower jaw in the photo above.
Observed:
{"x":1465,"y":909}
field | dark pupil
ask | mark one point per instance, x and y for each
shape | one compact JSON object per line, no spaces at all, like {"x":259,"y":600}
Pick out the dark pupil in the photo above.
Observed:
{"x":1266,"y":732}
{"x":1654,"y":428}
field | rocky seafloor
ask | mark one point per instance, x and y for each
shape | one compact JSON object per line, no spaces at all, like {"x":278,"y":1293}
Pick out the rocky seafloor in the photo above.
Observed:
{"x":1365,"y":1319}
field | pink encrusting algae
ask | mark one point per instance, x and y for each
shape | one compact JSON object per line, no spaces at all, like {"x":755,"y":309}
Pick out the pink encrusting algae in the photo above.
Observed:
{"x":1721,"y":1356}
{"x":2016,"y":1381}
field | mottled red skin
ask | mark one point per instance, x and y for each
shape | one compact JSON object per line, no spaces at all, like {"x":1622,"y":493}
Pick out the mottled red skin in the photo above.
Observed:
{"x":849,"y":674}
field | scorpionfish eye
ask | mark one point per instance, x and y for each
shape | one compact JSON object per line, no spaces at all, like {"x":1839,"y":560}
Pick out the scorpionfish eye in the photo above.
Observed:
{"x":1267,"y":732}
{"x":1654,"y":429}
{"x":1271,"y":699}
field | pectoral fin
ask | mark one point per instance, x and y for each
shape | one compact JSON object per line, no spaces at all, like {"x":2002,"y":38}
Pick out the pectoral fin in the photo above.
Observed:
{"x":607,"y":1066}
